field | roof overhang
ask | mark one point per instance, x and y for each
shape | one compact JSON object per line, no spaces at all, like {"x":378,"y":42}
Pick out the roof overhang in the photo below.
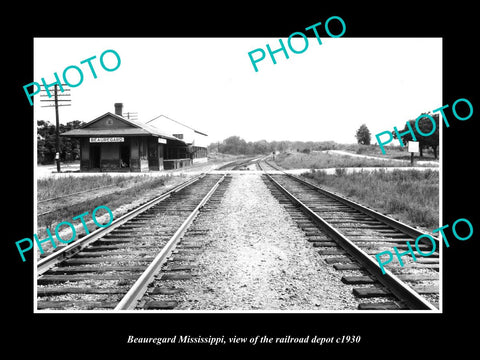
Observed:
{"x":135,"y":128}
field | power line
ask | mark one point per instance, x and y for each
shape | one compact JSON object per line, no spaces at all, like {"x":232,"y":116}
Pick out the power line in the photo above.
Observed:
{"x":131,"y":115}
{"x":56,"y":105}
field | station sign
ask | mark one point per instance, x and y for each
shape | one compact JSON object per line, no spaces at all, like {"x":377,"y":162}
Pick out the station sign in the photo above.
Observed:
{"x":413,"y":146}
{"x":107,"y":140}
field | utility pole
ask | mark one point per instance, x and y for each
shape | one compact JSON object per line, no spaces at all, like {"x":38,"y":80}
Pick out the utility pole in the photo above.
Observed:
{"x":131,"y":115}
{"x":57,"y":119}
{"x":57,"y":132}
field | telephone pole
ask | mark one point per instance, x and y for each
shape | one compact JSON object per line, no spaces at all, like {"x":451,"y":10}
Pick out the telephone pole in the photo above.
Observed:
{"x":131,"y":115}
{"x":56,"y":100}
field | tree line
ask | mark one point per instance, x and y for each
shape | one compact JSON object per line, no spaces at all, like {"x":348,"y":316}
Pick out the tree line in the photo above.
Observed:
{"x":235,"y":145}
{"x":69,"y":148}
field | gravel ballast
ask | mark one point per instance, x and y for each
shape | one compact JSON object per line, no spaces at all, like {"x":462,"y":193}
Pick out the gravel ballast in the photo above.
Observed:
{"x":256,"y":258}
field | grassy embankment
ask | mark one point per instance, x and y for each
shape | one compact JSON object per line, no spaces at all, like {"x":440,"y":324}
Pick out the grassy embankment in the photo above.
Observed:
{"x":127,"y":190}
{"x":320,"y":160}
{"x":52,"y":187}
{"x":396,"y":152}
{"x":411,"y":196}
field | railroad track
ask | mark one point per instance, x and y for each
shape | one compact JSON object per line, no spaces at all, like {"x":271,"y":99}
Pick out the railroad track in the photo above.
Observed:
{"x":112,"y":267}
{"x":238,"y":164}
{"x":349,"y":235}
{"x":182,"y":266}
{"x":267,"y":165}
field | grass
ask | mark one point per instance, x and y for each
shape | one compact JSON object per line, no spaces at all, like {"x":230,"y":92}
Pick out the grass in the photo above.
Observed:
{"x":216,"y":157}
{"x":52,"y":187}
{"x":130,"y":188}
{"x":412,"y":196}
{"x":320,"y":160}
{"x":392,"y":151}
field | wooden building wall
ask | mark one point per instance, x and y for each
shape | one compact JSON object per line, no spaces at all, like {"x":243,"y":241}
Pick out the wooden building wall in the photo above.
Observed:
{"x":84,"y":154}
{"x":144,"y":154}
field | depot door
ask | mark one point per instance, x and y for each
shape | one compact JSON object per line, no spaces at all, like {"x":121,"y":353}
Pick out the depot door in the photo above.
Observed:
{"x":125,"y":155}
{"x":95,"y":156}
{"x":153,"y":154}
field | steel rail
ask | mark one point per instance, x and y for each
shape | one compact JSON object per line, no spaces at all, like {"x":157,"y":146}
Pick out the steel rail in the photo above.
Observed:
{"x":131,"y":298}
{"x":404,"y":228}
{"x":238,"y":163}
{"x":402,"y":291}
{"x":50,"y":261}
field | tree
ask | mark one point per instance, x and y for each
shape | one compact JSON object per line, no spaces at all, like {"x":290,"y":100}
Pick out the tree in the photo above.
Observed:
{"x":233,"y":145}
{"x":260,"y":147}
{"x":363,"y":135}
{"x":425,"y":125}
{"x":69,"y":148}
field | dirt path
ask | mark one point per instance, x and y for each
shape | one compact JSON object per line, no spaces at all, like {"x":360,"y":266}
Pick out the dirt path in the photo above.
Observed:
{"x":341,"y":152}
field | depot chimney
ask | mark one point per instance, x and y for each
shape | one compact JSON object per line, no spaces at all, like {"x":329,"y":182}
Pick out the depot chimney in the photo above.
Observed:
{"x":118,"y":109}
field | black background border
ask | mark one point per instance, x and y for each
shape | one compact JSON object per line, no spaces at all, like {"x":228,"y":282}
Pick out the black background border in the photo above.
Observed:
{"x":382,"y":334}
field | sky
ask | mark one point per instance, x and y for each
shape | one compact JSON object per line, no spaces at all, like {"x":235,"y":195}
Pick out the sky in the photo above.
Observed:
{"x":322,"y":94}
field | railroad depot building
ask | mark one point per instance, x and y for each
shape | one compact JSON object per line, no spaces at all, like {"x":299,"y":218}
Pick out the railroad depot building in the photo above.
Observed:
{"x":112,"y":142}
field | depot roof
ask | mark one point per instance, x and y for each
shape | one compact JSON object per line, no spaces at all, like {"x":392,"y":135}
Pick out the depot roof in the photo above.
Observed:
{"x":110,"y":124}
